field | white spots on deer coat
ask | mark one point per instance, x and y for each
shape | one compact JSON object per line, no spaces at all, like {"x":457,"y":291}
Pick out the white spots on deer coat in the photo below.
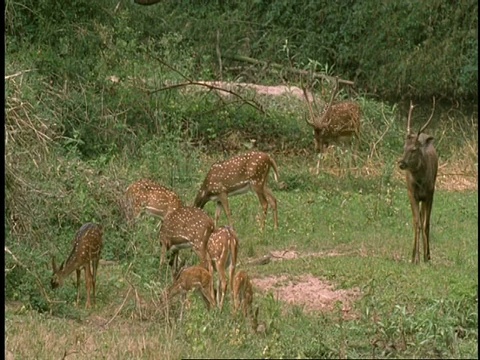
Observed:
{"x":148,"y":194}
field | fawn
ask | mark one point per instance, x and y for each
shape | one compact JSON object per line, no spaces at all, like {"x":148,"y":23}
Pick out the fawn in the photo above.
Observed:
{"x":85,"y":254}
{"x":223,"y":250}
{"x":194,"y":278}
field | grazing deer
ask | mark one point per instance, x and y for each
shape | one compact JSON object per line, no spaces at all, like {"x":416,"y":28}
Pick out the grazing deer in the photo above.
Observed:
{"x":186,"y":227}
{"x":151,"y":196}
{"x":194,"y":278}
{"x":85,"y":254}
{"x":420,"y":162}
{"x":333,"y":122}
{"x":223,"y":250}
{"x":238,"y":175}
{"x":243,"y":298}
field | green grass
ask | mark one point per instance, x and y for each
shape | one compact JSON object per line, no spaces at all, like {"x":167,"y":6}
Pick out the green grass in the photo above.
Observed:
{"x":428,"y":310}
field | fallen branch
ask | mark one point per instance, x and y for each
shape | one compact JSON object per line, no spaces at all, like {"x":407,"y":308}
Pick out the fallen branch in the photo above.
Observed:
{"x":252,"y":103}
{"x":264,"y":260}
{"x":189,"y":81}
{"x":18,"y":74}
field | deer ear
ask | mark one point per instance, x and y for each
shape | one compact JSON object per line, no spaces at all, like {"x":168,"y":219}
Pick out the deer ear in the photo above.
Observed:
{"x":425,"y":139}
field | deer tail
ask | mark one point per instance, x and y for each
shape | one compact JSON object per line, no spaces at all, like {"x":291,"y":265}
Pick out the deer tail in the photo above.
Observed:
{"x":275,"y":168}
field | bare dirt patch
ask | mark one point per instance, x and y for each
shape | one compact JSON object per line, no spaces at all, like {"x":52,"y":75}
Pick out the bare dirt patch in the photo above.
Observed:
{"x":293,"y":254}
{"x":309,"y":292}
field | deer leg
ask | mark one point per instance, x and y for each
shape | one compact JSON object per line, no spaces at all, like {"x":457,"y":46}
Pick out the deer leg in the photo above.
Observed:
{"x":235,"y":301}
{"x":426,"y":209}
{"x":94,"y":278}
{"x":356,"y":145}
{"x":163,"y":251}
{"x":222,"y":288}
{"x":88,"y":283}
{"x":416,"y":224}
{"x":223,"y":201}
{"x":174,"y":266}
{"x":79,"y":272}
{"x":318,"y":149}
{"x":273,"y":203}
{"x":259,"y":190}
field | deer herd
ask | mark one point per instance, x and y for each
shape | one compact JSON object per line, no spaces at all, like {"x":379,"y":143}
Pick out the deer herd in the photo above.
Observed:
{"x":217,"y":248}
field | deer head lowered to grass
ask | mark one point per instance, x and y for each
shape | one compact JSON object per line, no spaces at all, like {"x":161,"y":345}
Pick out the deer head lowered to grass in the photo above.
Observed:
{"x":420,"y":162}
{"x":194,"y":278}
{"x":332,"y":122}
{"x":186,"y":227}
{"x":87,"y":247}
{"x":243,"y":300}
{"x":238,"y":175}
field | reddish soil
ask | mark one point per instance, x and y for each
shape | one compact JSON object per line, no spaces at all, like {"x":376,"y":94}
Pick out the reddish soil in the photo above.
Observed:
{"x":311,"y":293}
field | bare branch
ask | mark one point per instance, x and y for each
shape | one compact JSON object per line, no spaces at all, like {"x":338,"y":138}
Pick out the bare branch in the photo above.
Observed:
{"x":18,"y":73}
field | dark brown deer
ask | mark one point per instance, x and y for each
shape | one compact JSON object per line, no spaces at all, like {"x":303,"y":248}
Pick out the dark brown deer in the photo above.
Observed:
{"x":150,"y":196}
{"x":236,"y":176}
{"x":186,"y":227}
{"x":420,"y":162}
{"x":333,"y":122}
{"x":85,"y":254}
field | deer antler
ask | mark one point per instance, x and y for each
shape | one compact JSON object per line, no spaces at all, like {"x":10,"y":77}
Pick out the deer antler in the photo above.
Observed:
{"x":310,"y":109}
{"x":327,"y":109}
{"x":410,"y":111}
{"x":429,"y":119}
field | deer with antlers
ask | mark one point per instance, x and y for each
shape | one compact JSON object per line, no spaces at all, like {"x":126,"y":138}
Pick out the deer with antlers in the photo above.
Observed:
{"x":223,"y":250}
{"x":238,"y":175}
{"x":333,"y":122}
{"x":87,"y":246}
{"x":420,"y":162}
{"x":146,"y":194}
{"x":186,"y":227}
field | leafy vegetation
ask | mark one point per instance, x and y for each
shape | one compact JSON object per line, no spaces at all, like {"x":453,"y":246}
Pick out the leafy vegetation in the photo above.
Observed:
{"x":92,"y":105}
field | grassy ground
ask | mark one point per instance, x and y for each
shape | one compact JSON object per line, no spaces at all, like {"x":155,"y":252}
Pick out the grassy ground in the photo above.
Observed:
{"x":429,"y":310}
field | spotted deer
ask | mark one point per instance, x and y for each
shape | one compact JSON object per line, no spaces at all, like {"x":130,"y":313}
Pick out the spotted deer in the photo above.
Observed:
{"x":333,"y":122}
{"x":420,"y":162}
{"x":243,"y":299}
{"x":87,"y":247}
{"x":148,"y":195}
{"x":186,"y":227}
{"x":194,"y":278}
{"x":223,"y":250}
{"x":238,"y":175}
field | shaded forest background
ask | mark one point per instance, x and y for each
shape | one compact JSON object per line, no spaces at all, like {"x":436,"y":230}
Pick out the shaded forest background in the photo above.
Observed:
{"x":391,"y":49}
